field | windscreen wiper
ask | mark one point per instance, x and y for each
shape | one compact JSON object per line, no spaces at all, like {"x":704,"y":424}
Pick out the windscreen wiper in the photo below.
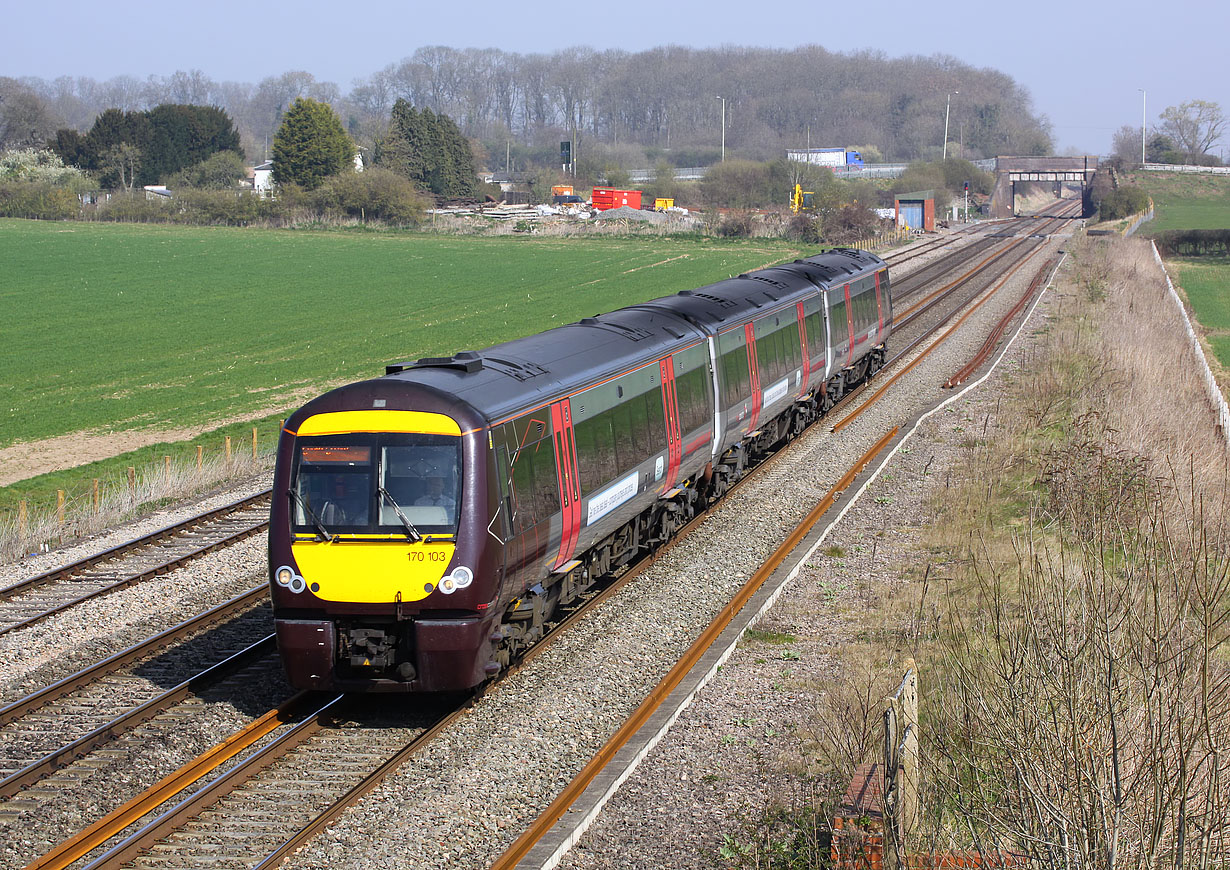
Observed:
{"x":320,"y":527}
{"x":411,"y":531}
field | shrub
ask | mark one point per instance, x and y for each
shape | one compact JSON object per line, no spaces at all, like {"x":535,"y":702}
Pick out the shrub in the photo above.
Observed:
{"x":1123,"y":201}
{"x":40,"y":200}
{"x":133,"y":208}
{"x":225,"y":207}
{"x":220,"y":171}
{"x":376,"y":194}
{"x":735,"y":225}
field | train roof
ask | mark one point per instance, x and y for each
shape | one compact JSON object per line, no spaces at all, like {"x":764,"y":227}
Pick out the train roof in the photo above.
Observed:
{"x":739,"y":299}
{"x":509,"y":377}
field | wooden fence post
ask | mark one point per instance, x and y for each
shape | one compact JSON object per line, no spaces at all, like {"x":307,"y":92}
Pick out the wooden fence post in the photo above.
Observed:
{"x":228,"y":451}
{"x":132,"y":480}
{"x":900,"y":790}
{"x":23,"y":519}
{"x":253,"y":442}
{"x":60,"y":507}
{"x":200,"y":450}
{"x":166,"y":467}
{"x":96,"y":499}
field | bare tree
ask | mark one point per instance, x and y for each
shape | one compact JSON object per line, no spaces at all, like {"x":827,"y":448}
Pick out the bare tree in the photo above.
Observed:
{"x":1195,"y":126}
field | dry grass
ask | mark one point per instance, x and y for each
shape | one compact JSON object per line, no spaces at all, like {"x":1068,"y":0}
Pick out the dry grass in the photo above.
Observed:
{"x":155,"y":486}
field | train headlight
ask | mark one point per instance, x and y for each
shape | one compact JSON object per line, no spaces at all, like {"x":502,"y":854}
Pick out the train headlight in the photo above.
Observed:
{"x":284,"y":575}
{"x":459,"y":579}
{"x":297,"y":585}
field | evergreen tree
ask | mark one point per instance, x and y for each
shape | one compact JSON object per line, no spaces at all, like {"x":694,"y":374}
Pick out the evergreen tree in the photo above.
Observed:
{"x":181,"y":136}
{"x":159,"y":142}
{"x":429,"y":149}
{"x":310,"y":145}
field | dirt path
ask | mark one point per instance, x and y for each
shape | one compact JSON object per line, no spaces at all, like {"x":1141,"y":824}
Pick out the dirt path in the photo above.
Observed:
{"x":30,"y":459}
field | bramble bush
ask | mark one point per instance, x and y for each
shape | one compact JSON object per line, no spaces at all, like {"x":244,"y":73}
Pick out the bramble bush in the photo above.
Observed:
{"x":1123,"y":201}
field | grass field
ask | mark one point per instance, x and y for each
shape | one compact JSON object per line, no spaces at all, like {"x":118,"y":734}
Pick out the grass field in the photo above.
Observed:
{"x":1186,"y":202}
{"x":117,"y":326}
{"x":112,"y":327}
{"x":1196,"y":202}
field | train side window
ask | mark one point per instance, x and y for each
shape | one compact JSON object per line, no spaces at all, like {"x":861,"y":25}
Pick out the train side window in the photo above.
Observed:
{"x":523,"y":488}
{"x":504,"y":485}
{"x":596,"y":451}
{"x":657,"y":419}
{"x":692,"y":390}
{"x":638,"y":421}
{"x":815,"y":333}
{"x":546,"y":479}
{"x":621,"y":425}
{"x":735,"y":380}
{"x":793,"y":350}
{"x":535,"y":483}
{"x":837,"y":322}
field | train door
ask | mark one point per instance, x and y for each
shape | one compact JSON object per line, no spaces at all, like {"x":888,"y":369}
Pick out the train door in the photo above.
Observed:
{"x":753,"y":373}
{"x":714,"y":371}
{"x":803,"y":346}
{"x":568,"y":480}
{"x":535,"y":497}
{"x":670,"y":407}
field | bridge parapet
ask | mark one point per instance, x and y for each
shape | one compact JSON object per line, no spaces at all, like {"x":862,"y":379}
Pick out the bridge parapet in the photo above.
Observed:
{"x":1011,"y":170}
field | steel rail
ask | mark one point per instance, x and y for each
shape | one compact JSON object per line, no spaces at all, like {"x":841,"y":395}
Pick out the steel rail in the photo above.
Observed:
{"x":985,"y":296}
{"x":998,"y":330}
{"x":215,"y":791}
{"x":68,"y":685}
{"x":149,"y":573}
{"x":66,"y":571}
{"x":81,"y":844}
{"x":82,"y":746}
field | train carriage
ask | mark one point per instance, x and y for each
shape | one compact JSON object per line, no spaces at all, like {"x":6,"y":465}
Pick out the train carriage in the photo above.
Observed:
{"x":427,"y":524}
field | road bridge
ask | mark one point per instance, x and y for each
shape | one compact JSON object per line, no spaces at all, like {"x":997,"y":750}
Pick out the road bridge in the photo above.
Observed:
{"x":1011,"y":171}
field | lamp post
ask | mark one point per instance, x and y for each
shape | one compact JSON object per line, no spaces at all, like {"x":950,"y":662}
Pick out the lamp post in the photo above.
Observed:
{"x":1142,"y":125}
{"x":947,"y":108}
{"x":723,"y":99}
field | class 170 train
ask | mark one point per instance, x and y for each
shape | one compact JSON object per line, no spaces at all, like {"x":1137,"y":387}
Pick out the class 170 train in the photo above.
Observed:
{"x":427,"y":525}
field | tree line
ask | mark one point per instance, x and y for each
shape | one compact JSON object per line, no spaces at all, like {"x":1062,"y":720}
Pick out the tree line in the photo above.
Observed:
{"x":621,"y":108}
{"x":1186,"y":134}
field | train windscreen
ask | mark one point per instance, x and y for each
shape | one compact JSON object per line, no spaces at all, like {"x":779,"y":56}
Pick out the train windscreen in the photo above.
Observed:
{"x":377,"y":484}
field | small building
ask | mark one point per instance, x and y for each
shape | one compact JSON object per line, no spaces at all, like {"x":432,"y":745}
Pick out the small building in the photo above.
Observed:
{"x":262,"y":178}
{"x":916,"y":210}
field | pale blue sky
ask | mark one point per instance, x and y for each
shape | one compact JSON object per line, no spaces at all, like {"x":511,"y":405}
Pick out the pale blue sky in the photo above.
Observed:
{"x":1082,"y":62}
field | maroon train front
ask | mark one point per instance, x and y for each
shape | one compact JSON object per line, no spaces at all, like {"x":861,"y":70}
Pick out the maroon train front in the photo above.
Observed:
{"x":426,"y":525}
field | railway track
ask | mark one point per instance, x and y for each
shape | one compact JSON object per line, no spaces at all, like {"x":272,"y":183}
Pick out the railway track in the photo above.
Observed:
{"x":288,"y":779}
{"x":33,"y":600}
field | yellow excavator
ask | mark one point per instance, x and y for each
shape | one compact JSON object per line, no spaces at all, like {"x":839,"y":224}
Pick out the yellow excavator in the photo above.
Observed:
{"x":802,"y":200}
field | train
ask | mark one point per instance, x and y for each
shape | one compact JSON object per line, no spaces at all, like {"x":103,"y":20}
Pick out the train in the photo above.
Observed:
{"x":427,"y":525}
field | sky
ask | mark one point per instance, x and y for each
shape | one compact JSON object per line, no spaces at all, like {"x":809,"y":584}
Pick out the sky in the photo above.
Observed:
{"x":1084,"y":63}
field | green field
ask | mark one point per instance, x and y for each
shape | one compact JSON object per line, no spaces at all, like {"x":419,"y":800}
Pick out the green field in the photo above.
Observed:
{"x":115,"y":326}
{"x":1196,"y":202}
{"x":1186,"y":202}
{"x":1206,"y":281}
{"x":111,"y":327}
